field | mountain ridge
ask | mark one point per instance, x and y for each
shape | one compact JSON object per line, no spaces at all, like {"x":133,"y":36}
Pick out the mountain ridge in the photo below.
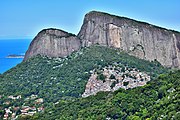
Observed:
{"x":140,"y":39}
{"x":136,"y":38}
{"x":127,"y":18}
{"x":61,"y":68}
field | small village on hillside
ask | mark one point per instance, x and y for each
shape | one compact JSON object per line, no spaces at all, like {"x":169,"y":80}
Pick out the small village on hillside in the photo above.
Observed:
{"x":113,"y":77}
{"x":11,"y":111}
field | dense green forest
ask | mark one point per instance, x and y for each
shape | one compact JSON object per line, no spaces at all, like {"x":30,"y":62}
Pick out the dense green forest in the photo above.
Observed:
{"x":64,"y":79}
{"x":159,"y":99}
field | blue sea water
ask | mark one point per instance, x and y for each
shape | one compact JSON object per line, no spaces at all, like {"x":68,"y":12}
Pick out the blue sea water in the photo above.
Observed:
{"x":9,"y":47}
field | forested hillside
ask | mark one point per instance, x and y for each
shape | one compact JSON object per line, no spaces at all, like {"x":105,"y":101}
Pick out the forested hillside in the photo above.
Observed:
{"x":159,"y":99}
{"x":40,"y":82}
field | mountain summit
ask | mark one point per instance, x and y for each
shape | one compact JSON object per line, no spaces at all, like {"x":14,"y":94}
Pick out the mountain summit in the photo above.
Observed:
{"x":98,"y":79}
{"x":53,"y":43}
{"x":139,"y":39}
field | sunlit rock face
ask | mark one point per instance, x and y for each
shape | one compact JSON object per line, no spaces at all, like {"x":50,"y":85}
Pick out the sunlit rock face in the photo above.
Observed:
{"x":114,"y":78}
{"x":53,"y":43}
{"x":140,"y":39}
{"x":137,"y":38}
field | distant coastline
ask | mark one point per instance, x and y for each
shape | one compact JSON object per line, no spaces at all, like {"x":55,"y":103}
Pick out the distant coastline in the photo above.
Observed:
{"x":15,"y":56}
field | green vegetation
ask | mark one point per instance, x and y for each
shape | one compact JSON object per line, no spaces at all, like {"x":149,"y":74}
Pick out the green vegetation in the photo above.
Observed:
{"x":55,"y":79}
{"x":126,"y":83}
{"x":112,"y":77}
{"x":101,"y":77}
{"x":159,"y":99}
{"x":113,"y":84}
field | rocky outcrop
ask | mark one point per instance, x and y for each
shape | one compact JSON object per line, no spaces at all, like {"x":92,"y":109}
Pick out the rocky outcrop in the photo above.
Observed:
{"x":94,"y":86}
{"x":140,"y":39}
{"x":112,"y":78}
{"x":137,"y":38}
{"x":53,"y":43}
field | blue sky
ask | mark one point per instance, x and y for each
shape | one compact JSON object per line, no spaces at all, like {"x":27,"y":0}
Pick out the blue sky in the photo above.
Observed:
{"x":25,"y":18}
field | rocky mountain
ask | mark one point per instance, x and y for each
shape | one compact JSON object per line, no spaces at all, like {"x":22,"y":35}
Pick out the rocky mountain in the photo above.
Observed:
{"x":140,"y":39}
{"x":53,"y":43}
{"x":137,"y":38}
{"x":99,"y":80}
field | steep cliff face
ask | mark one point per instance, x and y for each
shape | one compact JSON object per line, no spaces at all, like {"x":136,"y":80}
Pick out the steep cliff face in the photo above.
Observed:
{"x":53,"y":43}
{"x":137,"y":38}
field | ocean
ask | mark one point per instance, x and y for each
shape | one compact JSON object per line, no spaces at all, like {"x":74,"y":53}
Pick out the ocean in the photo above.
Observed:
{"x":10,"y":47}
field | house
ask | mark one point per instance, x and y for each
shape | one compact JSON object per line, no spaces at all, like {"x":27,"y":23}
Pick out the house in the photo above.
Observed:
{"x":13,"y":115}
{"x":33,"y":108}
{"x":23,"y":111}
{"x":33,"y":96}
{"x":38,"y":101}
{"x":16,"y":108}
{"x":7,"y":110}
{"x":40,"y":109}
{"x":14,"y":98}
{"x":31,"y":113}
{"x":6,"y":115}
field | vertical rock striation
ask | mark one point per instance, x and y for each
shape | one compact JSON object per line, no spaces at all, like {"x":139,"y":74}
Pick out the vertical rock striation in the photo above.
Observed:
{"x":140,"y":39}
{"x":53,"y":43}
{"x":137,"y":38}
